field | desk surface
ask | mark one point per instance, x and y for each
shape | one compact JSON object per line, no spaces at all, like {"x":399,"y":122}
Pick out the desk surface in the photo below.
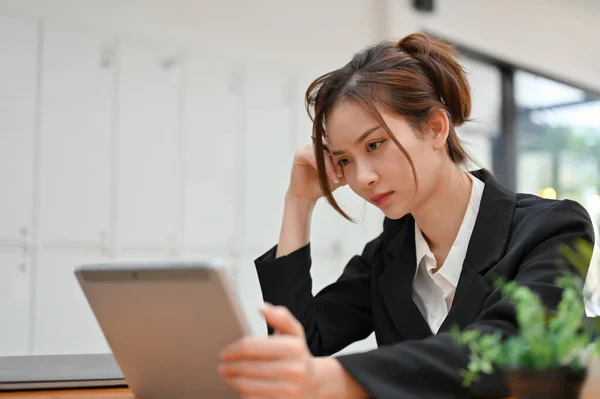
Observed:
{"x":106,"y":393}
{"x":590,"y":391}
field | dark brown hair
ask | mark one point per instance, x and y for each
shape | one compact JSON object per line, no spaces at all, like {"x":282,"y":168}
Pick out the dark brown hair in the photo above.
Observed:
{"x":411,"y":78}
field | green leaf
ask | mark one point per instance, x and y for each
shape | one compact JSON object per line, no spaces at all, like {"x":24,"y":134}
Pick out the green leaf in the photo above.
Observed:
{"x":547,"y":338}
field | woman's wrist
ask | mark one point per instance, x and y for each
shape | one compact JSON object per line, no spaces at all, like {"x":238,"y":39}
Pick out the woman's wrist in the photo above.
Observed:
{"x":332,"y":381}
{"x":295,"y":228}
{"x":299,"y":203}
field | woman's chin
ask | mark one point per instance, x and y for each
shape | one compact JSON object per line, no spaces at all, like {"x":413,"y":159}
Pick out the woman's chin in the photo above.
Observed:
{"x":394,"y":212}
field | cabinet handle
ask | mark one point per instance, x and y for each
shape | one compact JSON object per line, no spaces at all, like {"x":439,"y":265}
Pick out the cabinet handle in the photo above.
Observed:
{"x":169,"y":62}
{"x":233,"y":252}
{"x":105,"y":250}
{"x":107,"y":55}
{"x":22,"y":267}
{"x":336,"y":248}
{"x":24,"y":231}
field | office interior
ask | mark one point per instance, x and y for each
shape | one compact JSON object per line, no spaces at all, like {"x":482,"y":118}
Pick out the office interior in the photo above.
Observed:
{"x":165,"y":129}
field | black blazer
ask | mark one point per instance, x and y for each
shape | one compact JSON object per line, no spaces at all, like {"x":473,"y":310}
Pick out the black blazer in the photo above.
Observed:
{"x":515,"y":236}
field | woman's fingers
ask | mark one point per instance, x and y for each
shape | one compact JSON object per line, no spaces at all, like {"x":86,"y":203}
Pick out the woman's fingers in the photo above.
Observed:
{"x":261,"y":348}
{"x":282,"y":320}
{"x":330,"y":168}
{"x":275,"y":369}
{"x":250,"y":387}
{"x":339,"y":171}
{"x":334,"y":172}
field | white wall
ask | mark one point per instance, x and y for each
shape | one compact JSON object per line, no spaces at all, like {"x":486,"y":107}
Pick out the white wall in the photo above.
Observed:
{"x":117,"y":153}
{"x":558,"y":38}
{"x":307,"y":35}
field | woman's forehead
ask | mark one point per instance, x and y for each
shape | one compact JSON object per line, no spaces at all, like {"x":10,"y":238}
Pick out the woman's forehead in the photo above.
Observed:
{"x":347,"y":120}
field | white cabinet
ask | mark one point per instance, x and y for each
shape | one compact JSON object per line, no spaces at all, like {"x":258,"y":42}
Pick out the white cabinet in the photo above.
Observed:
{"x":63,"y":319}
{"x":18,"y":77}
{"x":148,"y":139}
{"x":269,"y":146}
{"x":14,"y":303}
{"x":78,"y":93}
{"x":212,"y":154}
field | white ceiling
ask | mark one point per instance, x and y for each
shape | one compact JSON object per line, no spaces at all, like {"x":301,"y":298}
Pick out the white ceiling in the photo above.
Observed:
{"x":583,"y":5}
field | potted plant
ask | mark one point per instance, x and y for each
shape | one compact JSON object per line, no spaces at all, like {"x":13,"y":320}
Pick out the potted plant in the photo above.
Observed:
{"x":549,"y":356}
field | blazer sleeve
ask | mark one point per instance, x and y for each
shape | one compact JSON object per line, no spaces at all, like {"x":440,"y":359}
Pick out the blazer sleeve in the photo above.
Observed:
{"x":338,"y":315}
{"x":432,"y":367}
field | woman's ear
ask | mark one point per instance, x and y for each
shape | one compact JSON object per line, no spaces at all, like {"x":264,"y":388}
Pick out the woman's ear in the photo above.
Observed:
{"x":439,"y":126}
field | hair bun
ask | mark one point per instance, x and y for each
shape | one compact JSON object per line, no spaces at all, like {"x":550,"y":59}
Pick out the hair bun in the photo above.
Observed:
{"x":416,"y":44}
{"x":439,"y":61}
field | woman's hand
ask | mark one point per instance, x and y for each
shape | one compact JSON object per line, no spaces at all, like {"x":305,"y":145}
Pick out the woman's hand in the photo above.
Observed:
{"x":278,"y":366}
{"x":304,"y":181}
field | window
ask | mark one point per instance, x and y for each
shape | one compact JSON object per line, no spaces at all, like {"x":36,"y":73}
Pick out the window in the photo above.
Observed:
{"x":544,"y":136}
{"x":558,"y":146}
{"x":479,"y":134}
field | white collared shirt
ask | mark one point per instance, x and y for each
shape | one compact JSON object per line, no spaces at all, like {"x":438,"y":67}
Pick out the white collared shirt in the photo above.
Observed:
{"x":433,"y":293}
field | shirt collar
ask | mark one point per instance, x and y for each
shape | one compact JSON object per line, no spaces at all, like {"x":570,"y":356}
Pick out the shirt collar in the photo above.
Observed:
{"x":422,"y":249}
{"x":458,"y":250}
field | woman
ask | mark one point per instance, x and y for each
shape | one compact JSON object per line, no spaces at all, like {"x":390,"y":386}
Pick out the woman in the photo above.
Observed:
{"x":385,"y":125}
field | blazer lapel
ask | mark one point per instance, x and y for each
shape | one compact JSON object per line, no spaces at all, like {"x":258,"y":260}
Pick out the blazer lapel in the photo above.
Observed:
{"x":396,"y":280}
{"x":486,"y":247}
{"x":468,"y":299}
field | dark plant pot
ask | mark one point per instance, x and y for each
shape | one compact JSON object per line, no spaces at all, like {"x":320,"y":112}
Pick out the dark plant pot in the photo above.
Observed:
{"x":560,"y":383}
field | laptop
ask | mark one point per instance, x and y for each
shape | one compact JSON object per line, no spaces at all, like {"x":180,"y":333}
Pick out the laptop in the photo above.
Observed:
{"x":59,"y":371}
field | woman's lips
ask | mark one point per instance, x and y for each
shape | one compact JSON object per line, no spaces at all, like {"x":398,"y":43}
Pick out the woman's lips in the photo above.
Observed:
{"x":381,"y":199}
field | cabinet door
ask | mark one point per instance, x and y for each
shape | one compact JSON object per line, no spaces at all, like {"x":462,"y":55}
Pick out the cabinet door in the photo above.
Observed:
{"x":212,"y":154}
{"x":14,"y":303}
{"x":78,"y":91}
{"x":269,"y":148}
{"x":148,"y":137}
{"x":18,"y":77}
{"x":64,"y":322}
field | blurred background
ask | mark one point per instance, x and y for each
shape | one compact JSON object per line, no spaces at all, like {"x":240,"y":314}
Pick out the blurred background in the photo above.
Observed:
{"x":165,"y":129}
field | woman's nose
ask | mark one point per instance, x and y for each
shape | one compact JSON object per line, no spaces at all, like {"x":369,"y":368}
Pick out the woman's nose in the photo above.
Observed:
{"x":367,"y":176}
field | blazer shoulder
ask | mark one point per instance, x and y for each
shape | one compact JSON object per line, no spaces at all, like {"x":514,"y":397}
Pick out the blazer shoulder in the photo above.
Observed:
{"x":391,"y":227}
{"x":542,"y":217}
{"x":533,"y":207}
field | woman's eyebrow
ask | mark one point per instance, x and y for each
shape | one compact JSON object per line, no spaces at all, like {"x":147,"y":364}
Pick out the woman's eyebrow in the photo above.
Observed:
{"x":360,"y":139}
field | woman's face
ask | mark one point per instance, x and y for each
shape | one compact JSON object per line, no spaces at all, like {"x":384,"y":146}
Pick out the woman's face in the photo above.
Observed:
{"x":375,"y":168}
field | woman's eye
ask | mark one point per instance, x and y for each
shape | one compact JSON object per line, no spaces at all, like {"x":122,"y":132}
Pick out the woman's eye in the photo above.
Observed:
{"x":343,"y":162}
{"x":375,"y":145}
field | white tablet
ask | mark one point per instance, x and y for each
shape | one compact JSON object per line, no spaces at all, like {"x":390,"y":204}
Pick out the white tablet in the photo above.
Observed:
{"x":166,"y":323}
